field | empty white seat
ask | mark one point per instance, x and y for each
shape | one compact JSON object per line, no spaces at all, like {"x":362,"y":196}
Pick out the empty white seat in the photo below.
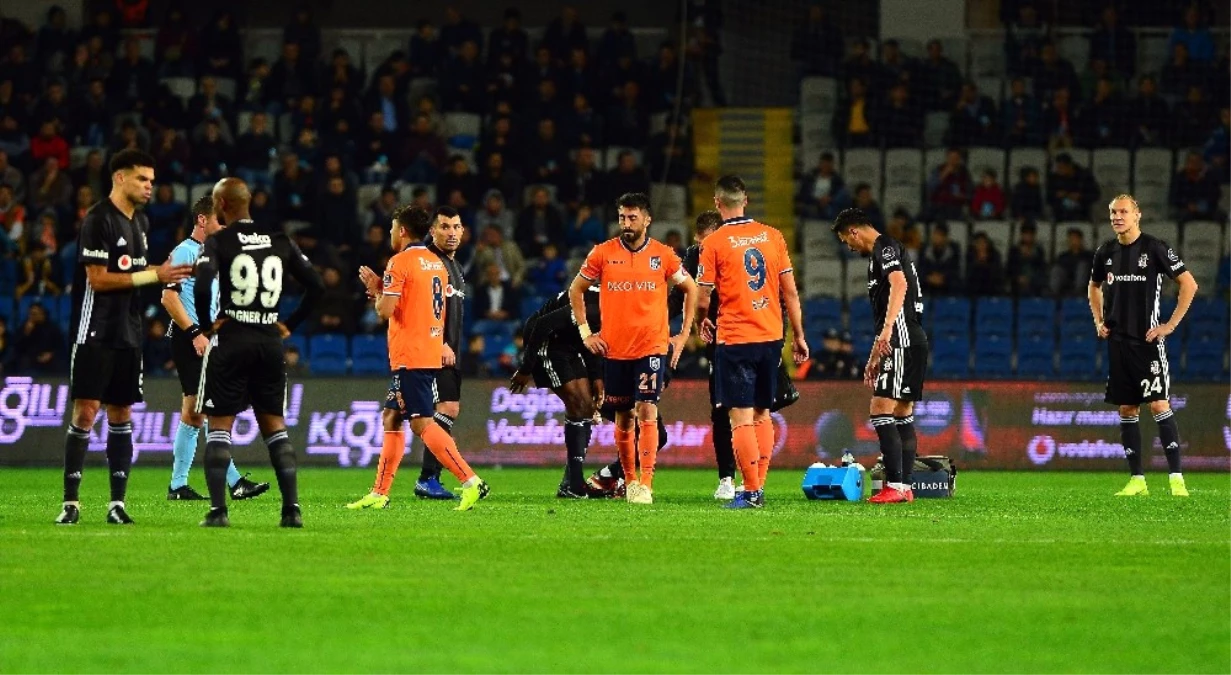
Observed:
{"x":856,"y":276}
{"x":1202,"y":239}
{"x":818,"y":239}
{"x":1152,"y":166}
{"x":1112,"y":169}
{"x":179,"y":192}
{"x":463,"y":124}
{"x":670,"y":202}
{"x":612,"y":157}
{"x":987,"y":56}
{"x":902,"y":196}
{"x":862,"y":165}
{"x":935,"y":126}
{"x":227,"y":87}
{"x":823,"y":277}
{"x":182,"y":87}
{"x":979,"y":159}
{"x":903,"y":168}
{"x":818,"y":95}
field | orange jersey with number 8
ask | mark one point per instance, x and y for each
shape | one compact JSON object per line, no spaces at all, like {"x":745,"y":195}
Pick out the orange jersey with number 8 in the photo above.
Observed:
{"x":744,"y":261}
{"x":632,"y":295}
{"x":417,"y":278}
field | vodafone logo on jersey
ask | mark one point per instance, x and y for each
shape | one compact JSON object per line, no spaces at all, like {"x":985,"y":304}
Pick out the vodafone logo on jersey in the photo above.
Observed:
{"x":1041,"y":449}
{"x":125,"y":262}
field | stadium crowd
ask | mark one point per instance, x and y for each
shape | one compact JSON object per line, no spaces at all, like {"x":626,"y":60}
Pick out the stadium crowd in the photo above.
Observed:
{"x":327,"y":152}
{"x":562,"y":127}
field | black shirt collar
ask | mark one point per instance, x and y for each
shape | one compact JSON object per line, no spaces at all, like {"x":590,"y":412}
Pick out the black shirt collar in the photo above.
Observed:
{"x":738,"y":220}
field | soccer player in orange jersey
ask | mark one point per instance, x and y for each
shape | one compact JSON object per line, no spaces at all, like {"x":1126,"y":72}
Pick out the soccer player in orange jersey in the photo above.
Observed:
{"x":634,"y":272}
{"x":412,"y":298}
{"x":747,"y":263}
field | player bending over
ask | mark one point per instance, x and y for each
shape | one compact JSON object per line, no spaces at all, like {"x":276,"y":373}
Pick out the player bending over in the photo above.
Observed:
{"x":554,"y":354}
{"x":634,"y":272}
{"x":245,"y":366}
{"x":899,"y":358}
{"x":411,"y":298}
{"x":748,"y":266}
{"x":1126,"y":284}
{"x":188,"y":346}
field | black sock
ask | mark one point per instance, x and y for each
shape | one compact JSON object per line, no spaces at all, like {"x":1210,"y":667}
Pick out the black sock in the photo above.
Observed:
{"x":1130,"y":438}
{"x":910,"y":445}
{"x":1169,"y":435}
{"x":282,"y":456}
{"x":662,"y":433}
{"x":431,"y":466}
{"x":724,"y":451}
{"x":891,"y":446}
{"x":120,"y":458}
{"x":575,"y":433}
{"x":217,"y":459}
{"x":76,"y":442}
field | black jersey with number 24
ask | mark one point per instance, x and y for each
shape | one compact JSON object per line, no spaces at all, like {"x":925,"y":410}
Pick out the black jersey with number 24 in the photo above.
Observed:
{"x":251,"y":262}
{"x":888,"y":256}
{"x":1131,"y":277}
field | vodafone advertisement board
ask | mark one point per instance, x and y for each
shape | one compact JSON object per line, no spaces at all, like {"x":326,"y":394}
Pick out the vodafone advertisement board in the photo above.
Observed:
{"x":336,"y":422}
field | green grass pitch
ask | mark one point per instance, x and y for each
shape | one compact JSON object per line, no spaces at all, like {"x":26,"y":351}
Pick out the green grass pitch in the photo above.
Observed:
{"x":1018,"y":573}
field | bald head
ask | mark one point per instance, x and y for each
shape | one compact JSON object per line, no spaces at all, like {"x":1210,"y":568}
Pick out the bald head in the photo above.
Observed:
{"x":231,"y":199}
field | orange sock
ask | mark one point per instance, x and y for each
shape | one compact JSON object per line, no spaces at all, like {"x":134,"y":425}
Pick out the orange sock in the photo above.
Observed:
{"x":765,"y":444}
{"x":744,"y":440}
{"x":391,"y":451}
{"x":627,"y":449}
{"x":442,"y":445}
{"x":647,"y":447}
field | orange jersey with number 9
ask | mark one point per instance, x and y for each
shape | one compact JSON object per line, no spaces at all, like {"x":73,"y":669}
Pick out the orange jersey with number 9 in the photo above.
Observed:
{"x":632,"y":296}
{"x":744,"y":261}
{"x":417,"y":278}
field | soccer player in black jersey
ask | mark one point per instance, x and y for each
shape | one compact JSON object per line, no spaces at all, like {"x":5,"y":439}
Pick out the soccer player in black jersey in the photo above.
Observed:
{"x":446,"y":239}
{"x":899,"y":358}
{"x":1126,"y":285}
{"x":555,"y":356}
{"x":106,"y":365}
{"x":244,"y":365}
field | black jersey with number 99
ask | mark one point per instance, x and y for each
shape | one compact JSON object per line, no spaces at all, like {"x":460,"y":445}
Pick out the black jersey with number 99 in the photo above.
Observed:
{"x":251,"y":264}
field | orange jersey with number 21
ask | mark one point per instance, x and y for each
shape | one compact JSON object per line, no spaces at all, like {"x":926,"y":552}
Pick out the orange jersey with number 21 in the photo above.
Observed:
{"x":632,"y":295}
{"x":744,"y":261}
{"x":417,"y":278}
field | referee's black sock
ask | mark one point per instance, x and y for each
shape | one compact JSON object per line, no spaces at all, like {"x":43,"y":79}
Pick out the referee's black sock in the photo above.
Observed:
{"x":1169,"y":435}
{"x":119,"y":458}
{"x":576,"y":433}
{"x":217,"y":459}
{"x":76,"y":442}
{"x":1130,"y":438}
{"x":910,"y":445}
{"x":891,"y":446}
{"x":724,"y":451}
{"x":282,"y":456}
{"x":431,"y":466}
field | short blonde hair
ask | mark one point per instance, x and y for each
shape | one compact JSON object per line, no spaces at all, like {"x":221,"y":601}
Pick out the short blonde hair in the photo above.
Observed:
{"x":1124,"y":195}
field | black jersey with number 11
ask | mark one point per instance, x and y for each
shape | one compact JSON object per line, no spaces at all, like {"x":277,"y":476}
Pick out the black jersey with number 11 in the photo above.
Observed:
{"x":888,"y":256}
{"x":251,"y":262}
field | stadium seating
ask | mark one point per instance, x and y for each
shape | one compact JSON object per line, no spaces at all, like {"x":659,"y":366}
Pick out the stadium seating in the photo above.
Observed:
{"x":1205,"y":359}
{"x":993,"y":356}
{"x":993,"y":317}
{"x":369,"y":355}
{"x":328,"y":354}
{"x":1035,"y":357}
{"x":950,"y":313}
{"x":1078,"y":359}
{"x":1036,"y":317}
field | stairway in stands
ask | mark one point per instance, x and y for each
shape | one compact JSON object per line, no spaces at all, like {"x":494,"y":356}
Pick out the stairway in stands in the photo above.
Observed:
{"x":756,"y":144}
